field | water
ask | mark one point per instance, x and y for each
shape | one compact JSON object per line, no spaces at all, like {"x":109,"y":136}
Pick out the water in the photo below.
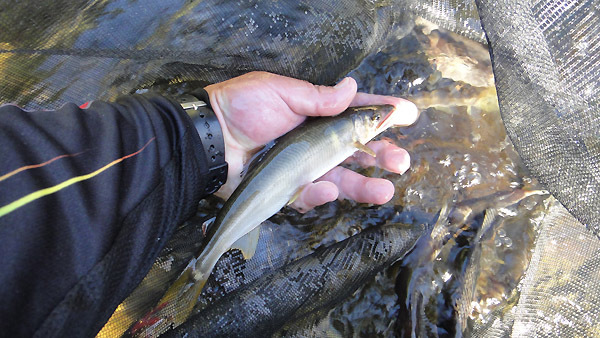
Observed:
{"x":460,"y":155}
{"x":459,"y":151}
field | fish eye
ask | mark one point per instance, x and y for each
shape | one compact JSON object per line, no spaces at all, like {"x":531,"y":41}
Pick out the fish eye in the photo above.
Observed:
{"x":376,"y":117}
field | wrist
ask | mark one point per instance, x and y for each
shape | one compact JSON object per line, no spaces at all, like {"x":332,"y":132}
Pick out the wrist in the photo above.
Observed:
{"x":234,"y":152}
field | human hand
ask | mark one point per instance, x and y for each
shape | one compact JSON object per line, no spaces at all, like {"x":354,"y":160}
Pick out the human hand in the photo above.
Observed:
{"x":258,"y":107}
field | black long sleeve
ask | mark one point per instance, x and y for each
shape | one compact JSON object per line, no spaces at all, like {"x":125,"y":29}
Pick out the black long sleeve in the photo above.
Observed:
{"x":88,"y":198}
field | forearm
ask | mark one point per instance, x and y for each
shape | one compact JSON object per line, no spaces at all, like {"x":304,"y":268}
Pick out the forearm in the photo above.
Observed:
{"x":88,"y":198}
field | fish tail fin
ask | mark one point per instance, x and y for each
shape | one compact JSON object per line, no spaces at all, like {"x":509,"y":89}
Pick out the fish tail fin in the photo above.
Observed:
{"x":174,"y":308}
{"x":118,"y":322}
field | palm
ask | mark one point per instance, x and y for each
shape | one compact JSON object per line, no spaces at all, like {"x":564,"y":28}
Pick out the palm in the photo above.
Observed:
{"x":259,"y":107}
{"x":257,"y":116}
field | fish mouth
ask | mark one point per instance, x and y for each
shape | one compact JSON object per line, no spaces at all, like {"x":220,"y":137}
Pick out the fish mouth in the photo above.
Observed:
{"x":386,"y":121}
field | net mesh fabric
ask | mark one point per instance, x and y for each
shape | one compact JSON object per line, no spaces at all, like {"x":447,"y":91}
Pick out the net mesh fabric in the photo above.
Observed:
{"x":312,"y":284}
{"x":557,"y":298}
{"x":104,"y":50}
{"x":558,"y":294}
{"x":459,"y":16}
{"x":546,"y":68}
{"x":546,"y":64}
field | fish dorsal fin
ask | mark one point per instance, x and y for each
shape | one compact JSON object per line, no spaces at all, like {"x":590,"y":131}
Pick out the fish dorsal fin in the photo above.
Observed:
{"x":364,"y":148}
{"x":490,"y":215}
{"x":247,"y":243}
{"x":488,"y":220}
{"x":257,"y":158}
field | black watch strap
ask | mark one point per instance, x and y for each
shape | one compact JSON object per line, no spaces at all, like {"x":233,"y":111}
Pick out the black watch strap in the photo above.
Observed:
{"x":197,"y":106}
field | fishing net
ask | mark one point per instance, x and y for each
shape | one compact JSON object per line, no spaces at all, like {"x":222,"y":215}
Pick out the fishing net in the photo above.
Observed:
{"x":517,"y":264}
{"x":104,"y":49}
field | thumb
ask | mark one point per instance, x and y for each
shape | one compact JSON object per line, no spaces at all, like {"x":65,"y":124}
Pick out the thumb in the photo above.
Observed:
{"x":307,"y":99}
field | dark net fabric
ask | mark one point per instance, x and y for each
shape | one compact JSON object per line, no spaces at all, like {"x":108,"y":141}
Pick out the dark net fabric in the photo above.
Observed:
{"x":459,"y":16}
{"x":315,"y":282}
{"x":76,"y":51}
{"x":547,"y":68}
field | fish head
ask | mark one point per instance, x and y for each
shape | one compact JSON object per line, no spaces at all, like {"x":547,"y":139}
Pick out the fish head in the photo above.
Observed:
{"x":370,"y":121}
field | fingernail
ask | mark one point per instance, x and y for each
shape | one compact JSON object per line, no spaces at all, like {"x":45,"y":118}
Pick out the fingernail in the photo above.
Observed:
{"x":410,"y":113}
{"x":403,"y":167}
{"x":342,"y":83}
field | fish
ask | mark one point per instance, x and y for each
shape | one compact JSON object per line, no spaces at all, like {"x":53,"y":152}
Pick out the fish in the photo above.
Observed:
{"x":275,"y":180}
{"x":453,"y":220}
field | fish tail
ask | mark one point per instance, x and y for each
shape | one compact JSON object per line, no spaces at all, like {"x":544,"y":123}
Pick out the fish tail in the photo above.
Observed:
{"x":174,"y":308}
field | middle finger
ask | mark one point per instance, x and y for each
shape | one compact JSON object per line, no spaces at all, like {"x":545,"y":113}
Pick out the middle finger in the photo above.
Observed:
{"x":388,"y":156}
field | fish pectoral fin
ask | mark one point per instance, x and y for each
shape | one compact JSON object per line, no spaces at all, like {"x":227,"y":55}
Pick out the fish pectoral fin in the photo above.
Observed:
{"x":364,"y":148}
{"x":247,"y":243}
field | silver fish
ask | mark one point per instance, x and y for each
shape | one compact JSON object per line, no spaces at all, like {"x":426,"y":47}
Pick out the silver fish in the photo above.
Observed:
{"x":297,"y":158}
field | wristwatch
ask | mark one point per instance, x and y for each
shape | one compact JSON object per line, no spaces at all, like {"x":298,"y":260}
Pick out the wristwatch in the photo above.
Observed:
{"x":197,"y":106}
